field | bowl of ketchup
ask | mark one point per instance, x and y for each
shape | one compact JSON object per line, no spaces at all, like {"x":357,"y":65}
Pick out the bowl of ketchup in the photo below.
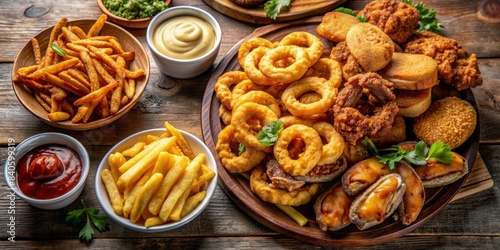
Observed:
{"x":47,"y":170}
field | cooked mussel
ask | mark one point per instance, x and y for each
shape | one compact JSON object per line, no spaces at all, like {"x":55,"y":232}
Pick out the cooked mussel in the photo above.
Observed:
{"x":332,"y":208}
{"x":436,"y":174}
{"x":379,"y":201}
{"x":363,"y":174}
{"x":414,"y":196}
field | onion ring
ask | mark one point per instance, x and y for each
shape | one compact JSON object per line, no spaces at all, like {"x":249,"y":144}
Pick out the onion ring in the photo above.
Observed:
{"x":249,"y":45}
{"x":269,"y":67}
{"x":242,"y":88}
{"x":312,"y":43}
{"x":328,"y":69}
{"x":308,"y":159}
{"x":351,"y":122}
{"x":225,"y":115}
{"x":223,"y":86}
{"x":243,"y":130}
{"x":259,"y":97}
{"x":231,"y":161}
{"x":334,"y":148}
{"x":309,"y":84}
{"x":250,"y":66}
{"x":260,"y":186}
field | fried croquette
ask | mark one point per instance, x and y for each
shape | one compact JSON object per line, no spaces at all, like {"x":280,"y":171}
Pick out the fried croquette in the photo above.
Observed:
{"x":450,"y":120}
{"x":398,"y":20}
{"x":455,"y":66}
{"x":334,"y":26}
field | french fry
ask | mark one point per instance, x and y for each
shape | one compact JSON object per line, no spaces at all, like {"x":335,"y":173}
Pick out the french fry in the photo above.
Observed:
{"x":80,"y":114}
{"x":69,"y":35}
{"x":113,"y":193}
{"x":54,"y":68}
{"x":80,"y":76}
{"x":54,"y":33}
{"x":185,"y":181}
{"x":130,"y":88}
{"x":99,"y":93}
{"x":65,"y":75}
{"x":58,"y":116}
{"x":78,"y":32}
{"x":36,"y":51}
{"x":108,"y":61}
{"x":145,"y":195}
{"x":115,"y":161}
{"x":133,"y":173}
{"x":192,"y":202}
{"x":163,"y":163}
{"x":91,"y":106}
{"x":175,"y":215}
{"x":134,"y":150}
{"x":133,"y":193}
{"x":42,"y":102}
{"x":56,"y":81}
{"x":117,"y":47}
{"x":207,"y":174}
{"x":153,"y":221}
{"x":181,"y":162}
{"x":181,"y":141}
{"x":91,"y":71}
{"x":96,"y":28}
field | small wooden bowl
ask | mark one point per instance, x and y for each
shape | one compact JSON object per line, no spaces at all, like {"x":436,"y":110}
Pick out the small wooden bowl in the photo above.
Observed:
{"x":139,"y":23}
{"x":26,"y":58}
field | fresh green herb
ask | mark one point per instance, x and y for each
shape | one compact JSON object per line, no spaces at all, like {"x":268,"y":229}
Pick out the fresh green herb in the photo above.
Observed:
{"x":92,"y":214}
{"x":427,"y":18}
{"x":269,"y":133}
{"x":58,"y":49}
{"x":419,"y":156}
{"x":241,"y":149}
{"x":274,"y":7}
{"x":352,"y":13}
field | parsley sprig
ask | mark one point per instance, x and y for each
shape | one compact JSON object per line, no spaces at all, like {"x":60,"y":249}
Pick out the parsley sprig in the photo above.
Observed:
{"x":419,"y":156}
{"x":274,"y":7}
{"x":75,"y":217}
{"x":427,"y":19}
{"x":269,"y":133}
{"x":352,"y":13}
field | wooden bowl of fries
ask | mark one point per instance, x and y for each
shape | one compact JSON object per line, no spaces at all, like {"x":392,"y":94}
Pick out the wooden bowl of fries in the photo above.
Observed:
{"x":159,"y":195}
{"x":139,"y":23}
{"x":81,"y":90}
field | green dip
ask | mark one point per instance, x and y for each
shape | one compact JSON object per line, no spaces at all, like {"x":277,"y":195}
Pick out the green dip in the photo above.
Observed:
{"x":132,"y":9}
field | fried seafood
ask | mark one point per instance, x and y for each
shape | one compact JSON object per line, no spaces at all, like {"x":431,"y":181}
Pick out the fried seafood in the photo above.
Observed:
{"x":334,"y":146}
{"x":250,"y":66}
{"x":398,"y":20}
{"x":326,"y":68}
{"x":223,"y":86}
{"x":306,"y":160}
{"x":450,"y":120}
{"x":259,"y":97}
{"x":292,"y":93}
{"x":292,"y":72}
{"x":242,"y":88}
{"x":363,"y":174}
{"x":310,"y":42}
{"x":350,"y":67}
{"x":227,"y":150}
{"x":260,"y":186}
{"x":243,"y":131}
{"x":455,"y":66}
{"x":251,"y":44}
{"x":332,"y":208}
{"x":334,"y":26}
{"x":414,"y":196}
{"x":351,"y":122}
{"x":225,"y":115}
{"x":378,"y":202}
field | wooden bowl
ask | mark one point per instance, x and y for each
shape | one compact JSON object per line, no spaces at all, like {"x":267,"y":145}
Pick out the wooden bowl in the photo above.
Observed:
{"x":139,"y":23}
{"x":25,"y":58}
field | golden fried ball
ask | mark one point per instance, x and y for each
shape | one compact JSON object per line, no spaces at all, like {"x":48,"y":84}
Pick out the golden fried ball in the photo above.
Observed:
{"x":450,"y":120}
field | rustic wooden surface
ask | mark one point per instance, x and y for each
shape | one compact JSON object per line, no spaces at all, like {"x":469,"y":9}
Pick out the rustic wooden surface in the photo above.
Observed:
{"x":468,"y":223}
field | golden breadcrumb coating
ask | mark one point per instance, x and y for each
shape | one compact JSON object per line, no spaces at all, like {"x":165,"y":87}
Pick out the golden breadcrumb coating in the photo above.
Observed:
{"x":450,"y":120}
{"x":398,"y":20}
{"x":455,"y":66}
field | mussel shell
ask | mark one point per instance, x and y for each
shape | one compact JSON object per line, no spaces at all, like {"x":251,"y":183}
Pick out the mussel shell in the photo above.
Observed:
{"x":338,"y":215}
{"x":395,"y":199}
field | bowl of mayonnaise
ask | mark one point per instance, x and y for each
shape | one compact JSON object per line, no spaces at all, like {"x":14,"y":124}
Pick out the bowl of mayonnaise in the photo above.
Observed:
{"x":184,"y":41}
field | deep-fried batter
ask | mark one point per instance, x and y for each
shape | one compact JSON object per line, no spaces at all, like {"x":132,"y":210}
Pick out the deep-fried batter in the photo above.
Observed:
{"x":455,"y":66}
{"x":398,"y":20}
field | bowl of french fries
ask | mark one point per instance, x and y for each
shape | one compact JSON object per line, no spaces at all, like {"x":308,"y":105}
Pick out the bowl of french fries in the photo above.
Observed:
{"x":156,"y":180}
{"x":80,"y":74}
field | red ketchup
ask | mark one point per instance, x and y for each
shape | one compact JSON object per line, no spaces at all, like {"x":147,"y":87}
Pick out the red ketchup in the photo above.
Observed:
{"x":48,"y":171}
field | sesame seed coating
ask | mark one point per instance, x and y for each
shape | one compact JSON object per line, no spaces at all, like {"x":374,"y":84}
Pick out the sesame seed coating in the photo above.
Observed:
{"x":450,"y":120}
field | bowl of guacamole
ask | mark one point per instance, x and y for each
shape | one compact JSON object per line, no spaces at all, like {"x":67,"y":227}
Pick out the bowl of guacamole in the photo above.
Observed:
{"x":132,"y":13}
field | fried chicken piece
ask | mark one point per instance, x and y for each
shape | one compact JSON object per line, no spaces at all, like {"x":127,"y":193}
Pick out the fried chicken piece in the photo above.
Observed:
{"x":398,"y":20}
{"x":350,"y":66}
{"x":455,"y":66}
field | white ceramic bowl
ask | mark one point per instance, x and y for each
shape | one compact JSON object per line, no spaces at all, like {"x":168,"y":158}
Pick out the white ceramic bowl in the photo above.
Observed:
{"x":24,"y":147}
{"x":187,"y":68}
{"x":196,"y":145}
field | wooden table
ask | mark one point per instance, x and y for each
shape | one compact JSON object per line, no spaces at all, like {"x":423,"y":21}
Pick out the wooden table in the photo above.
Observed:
{"x":470,"y":222}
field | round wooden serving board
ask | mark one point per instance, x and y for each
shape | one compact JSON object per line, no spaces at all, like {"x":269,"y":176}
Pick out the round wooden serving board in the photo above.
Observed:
{"x":299,"y":9}
{"x":237,"y":187}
